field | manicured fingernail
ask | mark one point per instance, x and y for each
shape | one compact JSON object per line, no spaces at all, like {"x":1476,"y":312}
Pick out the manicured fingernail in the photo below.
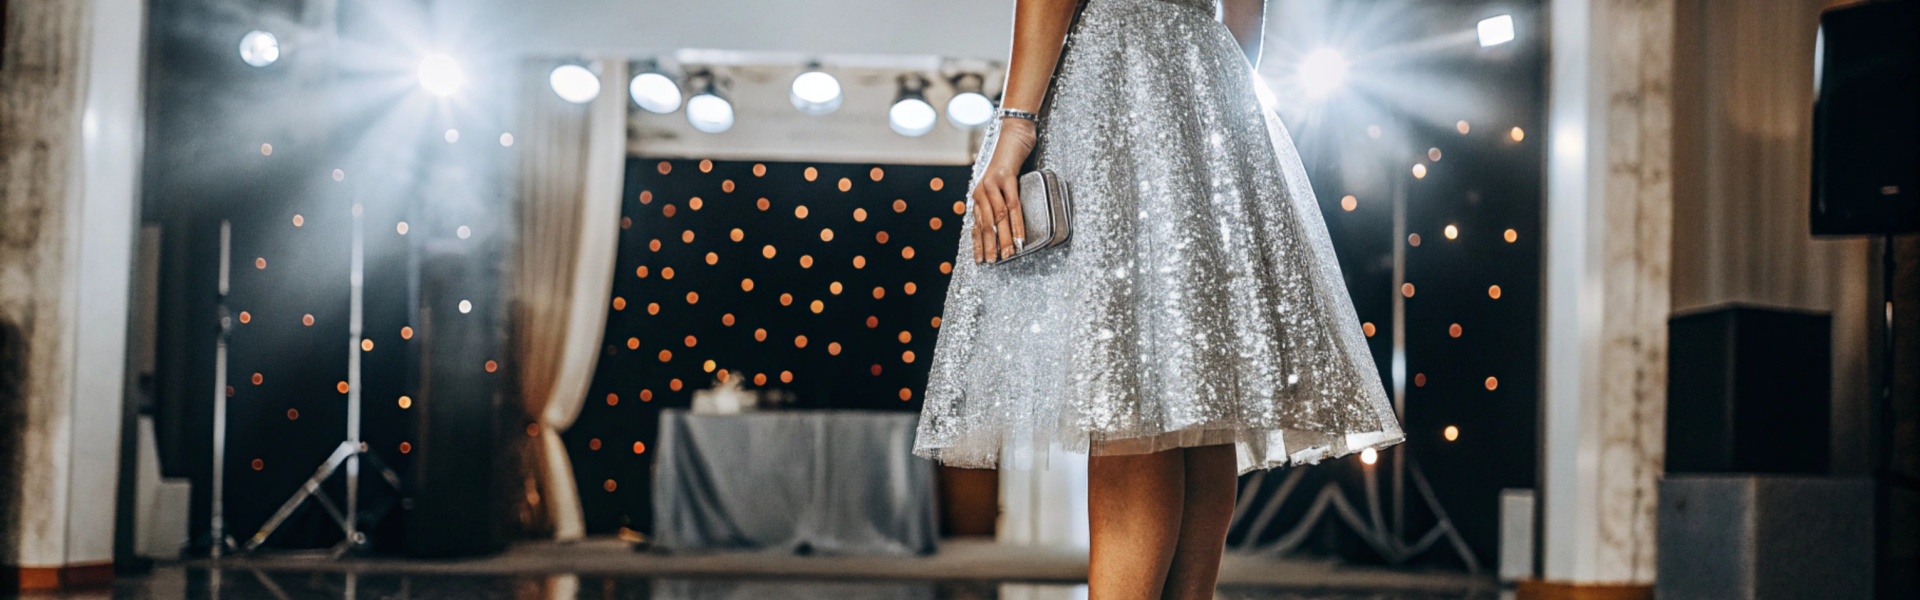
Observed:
{"x":1006,"y":253}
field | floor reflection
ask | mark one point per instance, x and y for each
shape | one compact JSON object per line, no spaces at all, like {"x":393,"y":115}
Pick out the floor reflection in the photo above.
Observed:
{"x":172,"y":583}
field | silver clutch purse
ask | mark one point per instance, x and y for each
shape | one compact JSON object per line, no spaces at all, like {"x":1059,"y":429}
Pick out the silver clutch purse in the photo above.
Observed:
{"x":1048,"y":209}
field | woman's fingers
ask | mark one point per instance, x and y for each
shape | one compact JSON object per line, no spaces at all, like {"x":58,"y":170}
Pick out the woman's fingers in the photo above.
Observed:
{"x":1016,"y":237}
{"x":979,"y":252}
{"x":997,"y":228}
{"x":982,"y":222}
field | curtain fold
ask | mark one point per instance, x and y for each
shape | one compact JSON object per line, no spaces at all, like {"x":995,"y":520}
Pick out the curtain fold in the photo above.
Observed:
{"x":1046,"y":505}
{"x":567,"y":223}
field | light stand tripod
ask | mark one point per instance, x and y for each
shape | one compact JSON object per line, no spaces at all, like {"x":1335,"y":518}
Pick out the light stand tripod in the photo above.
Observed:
{"x":1387,"y":539}
{"x":350,"y":450}
{"x":217,"y":537}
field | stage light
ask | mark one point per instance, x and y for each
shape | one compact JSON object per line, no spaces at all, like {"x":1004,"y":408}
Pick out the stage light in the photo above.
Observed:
{"x":1495,"y":31}
{"x":655,"y":92}
{"x":259,"y":48}
{"x":1323,"y":71}
{"x":707,"y":110}
{"x":911,"y":115}
{"x":967,"y":110}
{"x":574,"y":83}
{"x":969,"y":107}
{"x":1369,"y":456}
{"x":441,"y":74}
{"x":815,"y":92}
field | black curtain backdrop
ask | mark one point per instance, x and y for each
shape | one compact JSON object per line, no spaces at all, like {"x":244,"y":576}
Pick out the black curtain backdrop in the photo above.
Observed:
{"x":822,"y":280}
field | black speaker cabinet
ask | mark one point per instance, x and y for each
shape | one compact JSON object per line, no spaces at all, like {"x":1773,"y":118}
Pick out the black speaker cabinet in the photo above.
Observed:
{"x":454,"y":509}
{"x":1748,"y":391}
{"x":1866,"y":120}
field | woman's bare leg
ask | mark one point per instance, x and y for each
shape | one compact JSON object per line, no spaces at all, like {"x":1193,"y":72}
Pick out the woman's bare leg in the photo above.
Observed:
{"x":1211,"y":480}
{"x":1134,"y":505}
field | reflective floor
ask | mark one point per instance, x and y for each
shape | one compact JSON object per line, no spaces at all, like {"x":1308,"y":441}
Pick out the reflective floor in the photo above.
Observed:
{"x":169,"y":583}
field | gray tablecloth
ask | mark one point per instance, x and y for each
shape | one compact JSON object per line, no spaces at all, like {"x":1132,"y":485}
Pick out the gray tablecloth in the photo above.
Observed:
{"x":834,"y":482}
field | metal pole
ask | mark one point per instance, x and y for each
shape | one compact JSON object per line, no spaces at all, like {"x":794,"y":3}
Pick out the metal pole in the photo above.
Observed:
{"x":225,"y":329}
{"x":355,"y":316}
{"x":1399,"y":348}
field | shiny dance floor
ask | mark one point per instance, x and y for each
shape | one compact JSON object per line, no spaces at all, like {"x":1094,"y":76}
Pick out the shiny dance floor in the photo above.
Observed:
{"x":177,"y":582}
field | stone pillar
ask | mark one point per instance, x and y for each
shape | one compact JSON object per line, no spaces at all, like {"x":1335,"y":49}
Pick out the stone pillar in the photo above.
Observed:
{"x":1609,"y":225}
{"x":69,"y":142}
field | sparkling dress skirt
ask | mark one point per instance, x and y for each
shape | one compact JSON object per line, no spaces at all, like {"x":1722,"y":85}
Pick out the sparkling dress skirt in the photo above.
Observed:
{"x":1198,"y":301}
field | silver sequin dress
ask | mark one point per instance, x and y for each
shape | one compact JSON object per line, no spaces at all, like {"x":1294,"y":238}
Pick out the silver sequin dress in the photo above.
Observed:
{"x":1198,"y":302}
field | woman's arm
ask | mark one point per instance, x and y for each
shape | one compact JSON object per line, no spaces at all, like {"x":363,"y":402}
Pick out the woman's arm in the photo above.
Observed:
{"x":1039,"y":28}
{"x":1247,"y":20}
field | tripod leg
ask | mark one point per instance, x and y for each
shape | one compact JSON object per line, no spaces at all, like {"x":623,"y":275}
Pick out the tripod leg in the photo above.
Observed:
{"x":332,"y":509}
{"x":392,"y":478}
{"x":311,"y":487}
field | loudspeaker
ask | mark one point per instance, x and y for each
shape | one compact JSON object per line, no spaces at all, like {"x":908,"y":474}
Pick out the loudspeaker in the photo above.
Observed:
{"x":1866,"y":120}
{"x":1724,"y":537}
{"x":454,"y":507}
{"x":1748,"y":391}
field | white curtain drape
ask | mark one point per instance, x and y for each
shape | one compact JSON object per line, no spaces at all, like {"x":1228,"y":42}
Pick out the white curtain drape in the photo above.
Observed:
{"x":567,"y":217}
{"x":1047,"y":504}
{"x":1743,"y":156}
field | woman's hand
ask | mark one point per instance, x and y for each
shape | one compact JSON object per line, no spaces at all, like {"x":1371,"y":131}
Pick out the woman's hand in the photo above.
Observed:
{"x":999,"y":227}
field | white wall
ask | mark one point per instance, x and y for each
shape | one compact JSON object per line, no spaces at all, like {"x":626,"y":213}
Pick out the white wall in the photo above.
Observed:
{"x":103,"y":237}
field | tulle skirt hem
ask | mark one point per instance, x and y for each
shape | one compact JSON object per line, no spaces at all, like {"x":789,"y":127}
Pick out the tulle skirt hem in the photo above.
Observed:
{"x":1255,"y":450}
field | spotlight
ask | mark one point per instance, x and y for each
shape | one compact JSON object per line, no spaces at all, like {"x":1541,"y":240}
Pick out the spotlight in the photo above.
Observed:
{"x":1323,"y":71}
{"x":441,"y":74}
{"x":655,"y":92}
{"x":259,"y":48}
{"x":1495,"y":31}
{"x":708,"y":110}
{"x":969,"y":107}
{"x":911,"y":115}
{"x":574,"y":83}
{"x":815,"y":92}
